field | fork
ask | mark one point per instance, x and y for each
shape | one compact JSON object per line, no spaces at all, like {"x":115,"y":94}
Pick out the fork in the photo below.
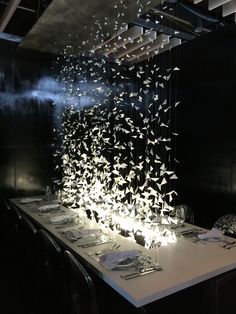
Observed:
{"x":141,"y":272}
{"x":228,"y":244}
{"x":115,"y":246}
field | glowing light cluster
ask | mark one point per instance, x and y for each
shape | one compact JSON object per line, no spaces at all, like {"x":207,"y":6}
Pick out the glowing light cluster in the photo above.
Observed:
{"x":116,"y":156}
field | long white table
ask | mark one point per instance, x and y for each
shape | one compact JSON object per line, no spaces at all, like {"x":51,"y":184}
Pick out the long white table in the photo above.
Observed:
{"x":184,"y":263}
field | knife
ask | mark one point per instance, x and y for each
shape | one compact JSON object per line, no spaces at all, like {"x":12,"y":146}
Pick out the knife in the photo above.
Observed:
{"x":94,"y":244}
{"x":141,"y":272}
{"x":190,"y":231}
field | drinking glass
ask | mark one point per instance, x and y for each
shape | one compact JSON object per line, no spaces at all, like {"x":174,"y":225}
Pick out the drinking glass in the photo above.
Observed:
{"x":48,"y":192}
{"x":59,"y":197}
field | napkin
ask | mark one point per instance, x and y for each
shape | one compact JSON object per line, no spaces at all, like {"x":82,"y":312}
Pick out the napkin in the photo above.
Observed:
{"x":47,"y":208}
{"x":62,"y":219}
{"x":214,"y":235}
{"x":30,"y":200}
{"x":74,"y":234}
{"x":120,"y":260}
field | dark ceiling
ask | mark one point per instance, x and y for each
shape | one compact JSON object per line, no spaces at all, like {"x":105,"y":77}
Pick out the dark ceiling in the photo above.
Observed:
{"x":50,"y":25}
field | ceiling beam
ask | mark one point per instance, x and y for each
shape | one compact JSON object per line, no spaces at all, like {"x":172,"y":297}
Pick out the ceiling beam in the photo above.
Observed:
{"x":159,"y":42}
{"x":212,"y":4}
{"x":229,"y":8}
{"x":8,"y":13}
{"x":126,"y":37}
{"x":108,"y":40}
{"x":173,"y":42}
{"x":163,"y":29}
{"x":141,"y":41}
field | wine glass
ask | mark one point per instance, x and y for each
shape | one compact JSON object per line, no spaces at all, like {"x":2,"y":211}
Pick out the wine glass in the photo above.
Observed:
{"x":48,"y":192}
{"x":59,"y":196}
{"x":180,"y":222}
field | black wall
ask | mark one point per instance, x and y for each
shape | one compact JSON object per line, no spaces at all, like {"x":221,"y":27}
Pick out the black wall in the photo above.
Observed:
{"x":206,"y":122}
{"x":26,"y":120}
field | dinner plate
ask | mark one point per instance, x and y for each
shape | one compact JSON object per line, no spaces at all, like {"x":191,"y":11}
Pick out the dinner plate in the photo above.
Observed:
{"x":62,"y":219}
{"x":120,"y":260}
{"x":47,"y":208}
{"x":28,"y":200}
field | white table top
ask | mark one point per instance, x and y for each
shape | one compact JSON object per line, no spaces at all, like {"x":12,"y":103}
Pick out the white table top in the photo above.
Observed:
{"x":184,"y":263}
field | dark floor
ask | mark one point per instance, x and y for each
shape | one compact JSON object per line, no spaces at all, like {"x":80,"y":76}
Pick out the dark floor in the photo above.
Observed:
{"x":12,"y":282}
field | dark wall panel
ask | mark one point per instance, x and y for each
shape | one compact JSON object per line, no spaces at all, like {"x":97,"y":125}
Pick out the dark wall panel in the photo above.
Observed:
{"x":206,"y":122}
{"x":26,"y":120}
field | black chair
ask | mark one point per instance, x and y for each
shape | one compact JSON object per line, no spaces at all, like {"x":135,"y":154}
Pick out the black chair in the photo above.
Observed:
{"x":28,"y":237}
{"x":82,"y":291}
{"x":52,"y":281}
{"x":27,"y":261}
{"x":4,"y":214}
{"x":222,"y":288}
{"x":13,"y":219}
{"x":227,"y":224}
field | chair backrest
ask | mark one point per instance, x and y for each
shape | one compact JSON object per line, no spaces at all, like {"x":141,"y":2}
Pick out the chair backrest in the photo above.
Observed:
{"x":28,"y":240}
{"x":82,"y":290}
{"x":14,"y":220}
{"x":29,"y":226}
{"x":227,"y":224}
{"x":51,"y":253}
{"x":184,"y":212}
{"x":49,"y":242}
{"x":7,"y":221}
{"x":53,"y":283}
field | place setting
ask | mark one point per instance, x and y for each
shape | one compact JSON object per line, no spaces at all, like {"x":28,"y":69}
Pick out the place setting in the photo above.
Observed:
{"x":81,"y":235}
{"x":60,"y":219}
{"x":29,"y":200}
{"x":214,"y":235}
{"x":132,"y":262}
{"x":49,"y":208}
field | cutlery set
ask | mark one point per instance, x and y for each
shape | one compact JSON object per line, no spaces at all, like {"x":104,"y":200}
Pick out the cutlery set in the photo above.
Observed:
{"x":95,"y":243}
{"x":141,"y":272}
{"x":115,"y":246}
{"x":65,"y":226}
{"x":229,"y":244}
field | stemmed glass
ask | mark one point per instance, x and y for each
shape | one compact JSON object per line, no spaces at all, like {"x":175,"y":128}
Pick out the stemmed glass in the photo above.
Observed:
{"x":59,"y":196}
{"x":48,"y":192}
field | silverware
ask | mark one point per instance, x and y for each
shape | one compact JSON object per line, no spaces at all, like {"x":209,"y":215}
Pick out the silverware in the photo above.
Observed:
{"x":115,"y":246}
{"x":228,"y":244}
{"x":64,"y":226}
{"x":141,"y":272}
{"x":229,"y":247}
{"x":93,"y":244}
{"x":190,"y":231}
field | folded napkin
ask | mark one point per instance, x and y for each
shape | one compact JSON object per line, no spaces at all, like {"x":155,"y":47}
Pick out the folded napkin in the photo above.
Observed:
{"x":120,"y":260}
{"x":75,"y":234}
{"x":47,"y":208}
{"x":62,"y":219}
{"x":30,"y":200}
{"x":212,"y":235}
